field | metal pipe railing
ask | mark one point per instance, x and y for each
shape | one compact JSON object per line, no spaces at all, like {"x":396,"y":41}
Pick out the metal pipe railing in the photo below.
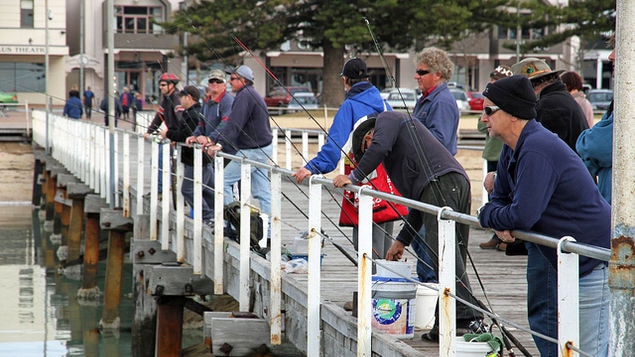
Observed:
{"x":68,"y":136}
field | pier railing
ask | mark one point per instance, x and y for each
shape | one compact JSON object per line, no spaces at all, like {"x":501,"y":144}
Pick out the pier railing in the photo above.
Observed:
{"x":83,"y":148}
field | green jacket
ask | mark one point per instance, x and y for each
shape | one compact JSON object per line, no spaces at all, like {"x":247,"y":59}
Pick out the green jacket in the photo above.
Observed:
{"x":493,"y":146}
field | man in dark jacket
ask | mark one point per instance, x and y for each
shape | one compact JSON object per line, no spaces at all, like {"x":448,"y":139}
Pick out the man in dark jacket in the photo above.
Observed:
{"x":169,"y":113}
{"x":247,"y":133}
{"x":189,"y":100}
{"x":556,"y":110}
{"x":542,"y":185}
{"x":422,"y":169}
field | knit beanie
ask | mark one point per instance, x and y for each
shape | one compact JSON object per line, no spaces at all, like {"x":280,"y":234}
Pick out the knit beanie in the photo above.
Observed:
{"x":515,"y":95}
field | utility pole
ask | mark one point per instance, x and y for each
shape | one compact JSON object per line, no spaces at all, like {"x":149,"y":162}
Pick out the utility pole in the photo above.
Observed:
{"x":111,"y":97}
{"x":622,"y":262}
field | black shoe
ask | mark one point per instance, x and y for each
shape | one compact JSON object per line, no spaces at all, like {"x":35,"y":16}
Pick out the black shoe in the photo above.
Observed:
{"x":462,"y":328}
{"x":209,"y":222}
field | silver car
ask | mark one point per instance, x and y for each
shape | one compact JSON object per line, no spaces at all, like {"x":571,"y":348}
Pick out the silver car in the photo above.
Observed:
{"x":402,"y":100}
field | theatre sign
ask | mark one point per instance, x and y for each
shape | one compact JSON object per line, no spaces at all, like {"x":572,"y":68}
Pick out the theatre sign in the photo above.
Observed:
{"x":22,"y":50}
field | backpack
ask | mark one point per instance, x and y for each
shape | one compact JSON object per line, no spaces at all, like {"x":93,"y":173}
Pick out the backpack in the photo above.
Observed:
{"x":231,"y":214}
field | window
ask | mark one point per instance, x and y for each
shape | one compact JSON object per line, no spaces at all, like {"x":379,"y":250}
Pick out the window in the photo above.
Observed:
{"x":26,"y":14}
{"x":137,"y":19}
{"x":22,"y":77}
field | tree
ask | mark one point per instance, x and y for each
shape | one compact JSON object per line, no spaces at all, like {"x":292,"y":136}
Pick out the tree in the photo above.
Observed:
{"x":335,"y":26}
{"x":588,"y":19}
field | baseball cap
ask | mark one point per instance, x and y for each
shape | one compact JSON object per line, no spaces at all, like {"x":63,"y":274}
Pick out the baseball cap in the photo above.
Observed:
{"x":192,"y":91}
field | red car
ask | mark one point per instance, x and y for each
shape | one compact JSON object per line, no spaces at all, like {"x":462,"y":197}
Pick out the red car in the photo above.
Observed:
{"x":475,"y":99}
{"x":280,"y":97}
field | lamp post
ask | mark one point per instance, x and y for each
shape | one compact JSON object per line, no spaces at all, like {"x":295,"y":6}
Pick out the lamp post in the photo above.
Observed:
{"x":49,"y":16}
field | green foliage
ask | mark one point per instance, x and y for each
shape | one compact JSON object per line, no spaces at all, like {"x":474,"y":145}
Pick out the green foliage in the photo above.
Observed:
{"x":589,"y":19}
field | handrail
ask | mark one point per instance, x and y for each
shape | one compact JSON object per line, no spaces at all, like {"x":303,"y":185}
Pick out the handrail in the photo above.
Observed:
{"x":69,"y":135}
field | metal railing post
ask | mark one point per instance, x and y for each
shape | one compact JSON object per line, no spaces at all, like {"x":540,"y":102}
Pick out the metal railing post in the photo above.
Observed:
{"x":140,"y":173}
{"x":568,"y":299}
{"x":287,"y":149}
{"x":126,"y":175}
{"x":154,"y":189}
{"x":447,"y":284}
{"x":275,"y":309}
{"x":245,"y":239}
{"x":364,"y":276}
{"x":314,"y":277}
{"x":198,"y":212}
{"x":179,"y":233}
{"x":166,"y":196}
{"x":219,"y":183}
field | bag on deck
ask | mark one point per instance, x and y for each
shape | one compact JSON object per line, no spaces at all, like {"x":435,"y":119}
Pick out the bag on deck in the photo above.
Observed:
{"x":231,"y":214}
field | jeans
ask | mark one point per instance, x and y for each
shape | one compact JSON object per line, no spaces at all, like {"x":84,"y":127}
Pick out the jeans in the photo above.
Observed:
{"x":260,"y":186}
{"x":187,"y":189}
{"x":594,"y":311}
{"x":542,"y":299}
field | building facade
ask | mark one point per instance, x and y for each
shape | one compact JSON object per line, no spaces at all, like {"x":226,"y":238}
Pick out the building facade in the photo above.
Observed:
{"x":31,"y":36}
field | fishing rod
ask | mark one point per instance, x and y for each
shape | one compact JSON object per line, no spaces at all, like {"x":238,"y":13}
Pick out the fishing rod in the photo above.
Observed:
{"x":425,"y":163}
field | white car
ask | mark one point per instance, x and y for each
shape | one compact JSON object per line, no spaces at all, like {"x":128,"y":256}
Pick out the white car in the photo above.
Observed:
{"x":402,"y":100}
{"x":303,"y":100}
{"x":461,"y":99}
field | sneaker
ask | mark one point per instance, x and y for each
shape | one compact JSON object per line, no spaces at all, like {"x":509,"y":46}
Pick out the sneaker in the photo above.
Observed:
{"x":209,"y":222}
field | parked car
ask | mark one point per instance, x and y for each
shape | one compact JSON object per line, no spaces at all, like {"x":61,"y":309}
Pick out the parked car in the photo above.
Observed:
{"x":281,"y":96}
{"x":461,"y":99}
{"x":402,"y":100}
{"x":600,"y":98}
{"x":475,"y":99}
{"x":303,"y":100}
{"x":386,"y":91}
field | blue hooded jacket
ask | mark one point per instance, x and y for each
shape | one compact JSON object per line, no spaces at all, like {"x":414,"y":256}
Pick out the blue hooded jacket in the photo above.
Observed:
{"x":361,"y":100}
{"x":595,"y":147}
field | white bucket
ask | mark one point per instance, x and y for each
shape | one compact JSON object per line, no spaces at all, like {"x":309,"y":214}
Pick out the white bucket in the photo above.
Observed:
{"x":471,"y":349}
{"x":426,"y":304}
{"x":394,"y":306}
{"x":401,"y":269}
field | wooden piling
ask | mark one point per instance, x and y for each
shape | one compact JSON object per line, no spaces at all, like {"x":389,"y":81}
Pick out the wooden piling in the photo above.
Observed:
{"x":76,"y":192}
{"x":144,"y":321}
{"x":169,"y":326}
{"x":117,"y":226}
{"x":92,"y":207}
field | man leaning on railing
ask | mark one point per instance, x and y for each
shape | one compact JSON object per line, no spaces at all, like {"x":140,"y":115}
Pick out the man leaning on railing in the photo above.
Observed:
{"x":543,"y":186}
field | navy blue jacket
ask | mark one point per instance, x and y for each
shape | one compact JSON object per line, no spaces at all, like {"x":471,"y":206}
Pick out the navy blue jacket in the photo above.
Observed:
{"x":248,"y":124}
{"x":543,"y":186}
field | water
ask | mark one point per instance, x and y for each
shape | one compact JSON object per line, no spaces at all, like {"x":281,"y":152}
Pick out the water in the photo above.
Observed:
{"x":40,"y":314}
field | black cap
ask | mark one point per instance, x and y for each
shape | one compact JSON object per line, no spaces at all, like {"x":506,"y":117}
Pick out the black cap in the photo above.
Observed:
{"x":354,"y":68}
{"x":358,"y":136}
{"x":190,"y":90}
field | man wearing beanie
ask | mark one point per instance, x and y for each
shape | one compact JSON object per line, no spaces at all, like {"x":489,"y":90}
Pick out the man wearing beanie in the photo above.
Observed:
{"x":537,"y":188}
{"x":556,"y":109}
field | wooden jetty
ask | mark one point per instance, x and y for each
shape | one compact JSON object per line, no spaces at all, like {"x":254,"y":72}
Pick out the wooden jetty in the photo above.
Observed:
{"x":503,"y":277}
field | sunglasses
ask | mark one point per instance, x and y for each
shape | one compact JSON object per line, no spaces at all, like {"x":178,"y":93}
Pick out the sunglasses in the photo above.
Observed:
{"x":234,"y":78}
{"x":163,"y":84}
{"x":491,"y":110}
{"x":215,"y":81}
{"x":423,"y":72}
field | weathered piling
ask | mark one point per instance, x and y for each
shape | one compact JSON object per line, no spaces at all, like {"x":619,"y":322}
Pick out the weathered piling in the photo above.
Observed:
{"x":76,"y":192}
{"x":117,"y":226}
{"x":92,"y":208}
